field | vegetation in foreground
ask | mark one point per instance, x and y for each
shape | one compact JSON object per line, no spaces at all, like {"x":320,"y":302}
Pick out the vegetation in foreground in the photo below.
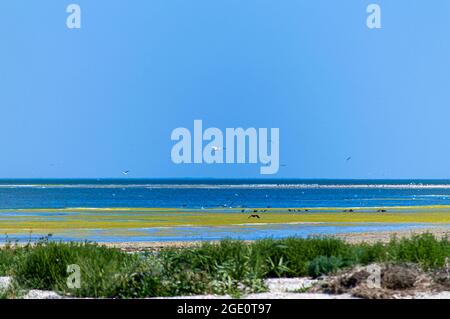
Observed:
{"x":229,"y":267}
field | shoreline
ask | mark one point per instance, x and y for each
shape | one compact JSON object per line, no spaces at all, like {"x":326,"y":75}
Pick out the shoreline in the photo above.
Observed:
{"x":370,"y":237}
{"x":352,"y":238}
{"x":134,"y":229}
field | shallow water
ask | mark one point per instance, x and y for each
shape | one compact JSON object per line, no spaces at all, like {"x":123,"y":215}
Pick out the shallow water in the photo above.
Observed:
{"x":248,"y":232}
{"x":19,"y":200}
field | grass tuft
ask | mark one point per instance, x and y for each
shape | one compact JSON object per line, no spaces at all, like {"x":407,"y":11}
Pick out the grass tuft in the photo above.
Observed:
{"x":229,"y":267}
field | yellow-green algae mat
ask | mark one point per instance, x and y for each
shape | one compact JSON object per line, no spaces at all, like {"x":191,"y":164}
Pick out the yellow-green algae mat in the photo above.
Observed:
{"x":43,"y":220}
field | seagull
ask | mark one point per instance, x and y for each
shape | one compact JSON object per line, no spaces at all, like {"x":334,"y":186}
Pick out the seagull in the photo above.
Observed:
{"x":125,"y":172}
{"x":348,"y":158}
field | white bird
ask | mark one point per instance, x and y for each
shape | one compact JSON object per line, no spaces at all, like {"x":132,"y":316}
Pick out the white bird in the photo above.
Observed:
{"x":125,"y":172}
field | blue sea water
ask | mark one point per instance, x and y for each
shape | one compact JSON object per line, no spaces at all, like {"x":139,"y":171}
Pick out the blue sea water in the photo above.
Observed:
{"x":209,"y":193}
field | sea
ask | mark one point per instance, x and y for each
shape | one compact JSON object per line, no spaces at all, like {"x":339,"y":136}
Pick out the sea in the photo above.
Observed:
{"x":197,"y":193}
{"x":23,"y":194}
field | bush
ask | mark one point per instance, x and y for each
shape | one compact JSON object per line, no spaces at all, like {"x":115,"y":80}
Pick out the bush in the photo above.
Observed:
{"x":44,"y":266}
{"x":9,"y":257}
{"x":424,"y":250}
{"x":229,"y":267}
{"x":324,"y":265}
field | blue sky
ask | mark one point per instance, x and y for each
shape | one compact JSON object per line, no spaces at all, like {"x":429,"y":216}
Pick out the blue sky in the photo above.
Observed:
{"x":105,"y":98}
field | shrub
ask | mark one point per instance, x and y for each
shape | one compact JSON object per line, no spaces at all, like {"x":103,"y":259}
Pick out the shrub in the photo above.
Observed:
{"x":44,"y":266}
{"x":229,"y":267}
{"x":425,"y":250}
{"x":324,"y":265}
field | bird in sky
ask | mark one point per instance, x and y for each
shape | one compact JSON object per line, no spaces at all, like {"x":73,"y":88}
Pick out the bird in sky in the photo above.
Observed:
{"x":348,"y":158}
{"x":216,"y":148}
{"x":125,"y":172}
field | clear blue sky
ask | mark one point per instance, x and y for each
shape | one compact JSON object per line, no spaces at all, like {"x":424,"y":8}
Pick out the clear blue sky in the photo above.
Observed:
{"x":96,"y":101}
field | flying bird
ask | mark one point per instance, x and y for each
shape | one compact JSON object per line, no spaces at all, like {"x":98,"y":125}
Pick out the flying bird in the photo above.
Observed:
{"x":125,"y":172}
{"x":348,"y":158}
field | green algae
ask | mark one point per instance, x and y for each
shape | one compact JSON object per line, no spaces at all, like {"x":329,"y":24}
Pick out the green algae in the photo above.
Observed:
{"x":135,"y":218}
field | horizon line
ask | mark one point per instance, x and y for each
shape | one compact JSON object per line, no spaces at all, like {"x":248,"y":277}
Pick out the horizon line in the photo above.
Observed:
{"x":224,"y":178}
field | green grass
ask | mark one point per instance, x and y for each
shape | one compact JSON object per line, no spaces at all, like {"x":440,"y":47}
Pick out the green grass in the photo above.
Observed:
{"x":229,"y":267}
